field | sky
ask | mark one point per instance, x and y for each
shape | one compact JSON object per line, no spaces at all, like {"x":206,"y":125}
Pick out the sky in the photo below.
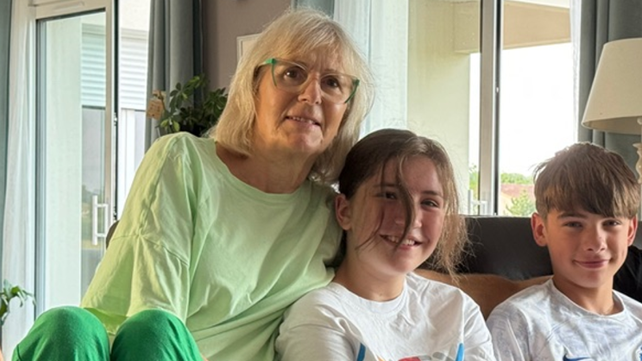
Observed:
{"x":537,"y":107}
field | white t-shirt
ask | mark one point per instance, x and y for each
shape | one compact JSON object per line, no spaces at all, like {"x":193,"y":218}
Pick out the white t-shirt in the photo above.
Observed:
{"x":541,"y":323}
{"x":428,"y":321}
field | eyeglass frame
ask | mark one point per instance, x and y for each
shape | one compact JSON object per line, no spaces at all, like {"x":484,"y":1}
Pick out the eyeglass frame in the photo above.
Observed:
{"x":272,"y":62}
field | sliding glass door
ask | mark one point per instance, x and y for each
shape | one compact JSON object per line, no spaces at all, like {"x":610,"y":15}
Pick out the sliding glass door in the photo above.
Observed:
{"x":74,"y":130}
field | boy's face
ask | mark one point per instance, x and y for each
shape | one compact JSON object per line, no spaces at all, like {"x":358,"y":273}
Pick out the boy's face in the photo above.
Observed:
{"x":586,"y":249}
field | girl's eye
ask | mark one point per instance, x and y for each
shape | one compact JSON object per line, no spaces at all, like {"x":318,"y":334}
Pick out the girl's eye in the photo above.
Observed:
{"x":390,"y":195}
{"x":430,"y":203}
{"x":387,"y":195}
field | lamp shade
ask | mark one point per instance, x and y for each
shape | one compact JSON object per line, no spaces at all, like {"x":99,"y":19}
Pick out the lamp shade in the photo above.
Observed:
{"x":615,"y":101}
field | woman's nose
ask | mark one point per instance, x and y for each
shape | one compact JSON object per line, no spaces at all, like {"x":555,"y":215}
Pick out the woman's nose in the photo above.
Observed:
{"x":311,"y":91}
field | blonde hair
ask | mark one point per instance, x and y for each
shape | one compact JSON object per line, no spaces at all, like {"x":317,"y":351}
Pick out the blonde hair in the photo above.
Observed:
{"x":369,"y":158}
{"x":586,"y":177}
{"x":296,"y":32}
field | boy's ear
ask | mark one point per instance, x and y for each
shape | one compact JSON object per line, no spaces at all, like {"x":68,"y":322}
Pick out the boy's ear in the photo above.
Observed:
{"x":539,"y":230}
{"x":633,"y":227}
{"x":342,"y":211}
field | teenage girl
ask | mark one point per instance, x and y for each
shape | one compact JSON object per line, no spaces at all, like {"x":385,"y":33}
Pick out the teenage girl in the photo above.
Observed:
{"x":398,"y":208}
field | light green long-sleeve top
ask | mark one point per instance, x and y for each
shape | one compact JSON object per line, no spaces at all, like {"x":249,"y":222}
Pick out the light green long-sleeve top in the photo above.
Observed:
{"x":223,"y":256}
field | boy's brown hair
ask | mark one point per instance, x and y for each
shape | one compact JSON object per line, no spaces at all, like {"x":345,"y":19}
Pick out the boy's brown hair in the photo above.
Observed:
{"x":586,"y":177}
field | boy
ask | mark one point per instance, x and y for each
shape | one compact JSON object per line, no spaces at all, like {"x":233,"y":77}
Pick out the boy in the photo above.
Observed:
{"x":586,"y":199}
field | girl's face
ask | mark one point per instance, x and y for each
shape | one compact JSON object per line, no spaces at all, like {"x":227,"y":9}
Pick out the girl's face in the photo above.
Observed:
{"x":377,"y":207}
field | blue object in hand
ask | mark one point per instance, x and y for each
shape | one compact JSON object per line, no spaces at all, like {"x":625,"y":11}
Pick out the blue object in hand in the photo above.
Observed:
{"x":460,"y":353}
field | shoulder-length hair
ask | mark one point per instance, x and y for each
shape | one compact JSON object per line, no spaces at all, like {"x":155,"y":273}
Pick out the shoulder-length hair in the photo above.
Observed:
{"x":368,"y":158}
{"x":297,"y":32}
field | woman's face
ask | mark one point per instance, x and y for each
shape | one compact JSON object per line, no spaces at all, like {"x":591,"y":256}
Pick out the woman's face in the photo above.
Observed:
{"x":377,"y":206}
{"x":303,"y":122}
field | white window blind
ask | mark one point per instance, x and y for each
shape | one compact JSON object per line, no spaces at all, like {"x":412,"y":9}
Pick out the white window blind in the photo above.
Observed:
{"x":92,"y":74}
{"x":132,"y":68}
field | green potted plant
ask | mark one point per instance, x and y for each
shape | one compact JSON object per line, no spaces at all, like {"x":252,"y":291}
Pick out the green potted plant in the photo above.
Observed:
{"x":189,"y":107}
{"x":8,"y":293}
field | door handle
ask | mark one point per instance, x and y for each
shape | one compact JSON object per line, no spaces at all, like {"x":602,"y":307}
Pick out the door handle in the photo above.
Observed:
{"x":94,"y":220}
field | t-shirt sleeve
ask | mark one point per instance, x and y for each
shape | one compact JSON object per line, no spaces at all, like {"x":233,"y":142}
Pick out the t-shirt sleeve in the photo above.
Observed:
{"x":508,"y":334}
{"x":147,"y":263}
{"x":312,"y":332}
{"x":314,"y":342}
{"x":477,"y":339}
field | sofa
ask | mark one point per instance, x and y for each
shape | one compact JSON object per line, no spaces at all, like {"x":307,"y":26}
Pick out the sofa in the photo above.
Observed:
{"x":505,"y":246}
{"x":501,"y":246}
{"x":498,"y":245}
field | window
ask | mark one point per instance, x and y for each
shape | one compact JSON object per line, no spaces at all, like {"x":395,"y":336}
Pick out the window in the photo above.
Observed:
{"x":133,"y":18}
{"x":498,"y":110}
{"x":536,"y":97}
{"x":72,"y":152}
{"x":75,"y":136}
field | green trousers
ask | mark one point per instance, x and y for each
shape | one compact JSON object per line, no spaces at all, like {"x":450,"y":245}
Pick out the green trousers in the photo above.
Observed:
{"x":75,"y":334}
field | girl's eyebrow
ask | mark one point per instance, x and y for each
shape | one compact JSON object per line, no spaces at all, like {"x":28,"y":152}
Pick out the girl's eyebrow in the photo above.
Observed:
{"x":391,"y":185}
{"x":385,"y":185}
{"x":395,"y":185}
{"x":380,"y":186}
{"x":433,"y":193}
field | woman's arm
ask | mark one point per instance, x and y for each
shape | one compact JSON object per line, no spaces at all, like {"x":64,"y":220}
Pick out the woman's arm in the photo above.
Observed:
{"x":147,"y":262}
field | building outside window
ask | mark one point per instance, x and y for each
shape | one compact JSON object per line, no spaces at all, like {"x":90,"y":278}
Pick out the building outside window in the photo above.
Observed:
{"x":492,"y":81}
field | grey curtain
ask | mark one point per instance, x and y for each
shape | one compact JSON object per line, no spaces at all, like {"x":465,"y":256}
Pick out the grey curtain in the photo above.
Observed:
{"x":175,"y":49}
{"x":5,"y":28}
{"x":327,"y":6}
{"x":603,"y":21}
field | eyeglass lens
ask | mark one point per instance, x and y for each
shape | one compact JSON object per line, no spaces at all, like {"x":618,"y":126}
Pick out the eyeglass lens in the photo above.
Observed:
{"x":292,"y":77}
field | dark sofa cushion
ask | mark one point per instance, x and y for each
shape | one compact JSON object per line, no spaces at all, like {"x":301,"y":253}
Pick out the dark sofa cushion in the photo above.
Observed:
{"x":504,"y":246}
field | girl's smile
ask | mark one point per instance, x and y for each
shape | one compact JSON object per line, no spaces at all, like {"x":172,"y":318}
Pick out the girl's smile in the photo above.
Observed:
{"x":374,"y":219}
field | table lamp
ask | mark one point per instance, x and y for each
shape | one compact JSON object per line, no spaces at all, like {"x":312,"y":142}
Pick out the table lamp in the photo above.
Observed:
{"x":615,"y":102}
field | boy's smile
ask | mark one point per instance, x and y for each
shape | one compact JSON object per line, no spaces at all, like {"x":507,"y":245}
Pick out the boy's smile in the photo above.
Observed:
{"x":586,"y":250}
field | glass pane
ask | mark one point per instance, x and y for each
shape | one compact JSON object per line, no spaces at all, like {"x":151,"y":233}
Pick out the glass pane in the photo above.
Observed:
{"x":424,"y":55}
{"x":443,"y":85}
{"x":132,"y":92}
{"x":71,"y":125}
{"x":536,"y":114}
{"x":94,"y":211}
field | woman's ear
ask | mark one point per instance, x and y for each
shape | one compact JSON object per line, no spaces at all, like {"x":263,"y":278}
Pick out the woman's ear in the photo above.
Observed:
{"x":342,"y":211}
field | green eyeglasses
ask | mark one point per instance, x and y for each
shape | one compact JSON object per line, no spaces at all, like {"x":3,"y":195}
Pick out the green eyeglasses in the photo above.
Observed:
{"x":292,"y":77}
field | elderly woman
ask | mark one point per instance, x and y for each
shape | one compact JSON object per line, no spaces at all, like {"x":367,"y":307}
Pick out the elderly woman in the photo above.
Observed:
{"x":219,"y":236}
